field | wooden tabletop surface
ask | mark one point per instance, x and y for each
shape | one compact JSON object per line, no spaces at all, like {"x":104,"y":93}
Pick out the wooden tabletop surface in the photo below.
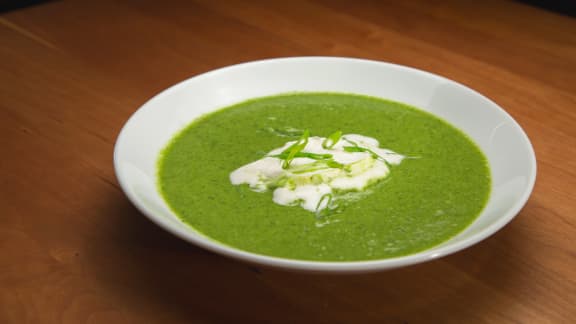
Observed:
{"x":74,"y":250}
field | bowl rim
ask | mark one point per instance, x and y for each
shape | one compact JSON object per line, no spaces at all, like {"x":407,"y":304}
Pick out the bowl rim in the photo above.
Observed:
{"x":322,"y":266}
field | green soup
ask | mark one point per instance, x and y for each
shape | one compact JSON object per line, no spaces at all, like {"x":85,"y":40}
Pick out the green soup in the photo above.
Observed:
{"x":426,"y":200}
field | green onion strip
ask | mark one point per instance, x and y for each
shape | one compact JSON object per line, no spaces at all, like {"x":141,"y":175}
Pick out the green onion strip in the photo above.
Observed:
{"x":331,"y":140}
{"x":328,"y":197}
{"x":295,"y":149}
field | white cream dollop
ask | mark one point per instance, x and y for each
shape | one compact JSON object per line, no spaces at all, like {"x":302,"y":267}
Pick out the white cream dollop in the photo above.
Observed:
{"x":312,"y":183}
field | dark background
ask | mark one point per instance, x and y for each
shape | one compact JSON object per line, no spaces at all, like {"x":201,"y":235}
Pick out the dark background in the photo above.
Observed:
{"x":565,"y":7}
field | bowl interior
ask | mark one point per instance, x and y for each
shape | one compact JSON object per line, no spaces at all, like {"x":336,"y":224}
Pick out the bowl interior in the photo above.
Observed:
{"x":506,"y":146}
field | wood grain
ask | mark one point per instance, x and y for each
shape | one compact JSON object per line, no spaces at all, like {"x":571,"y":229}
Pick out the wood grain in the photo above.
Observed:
{"x":73,"y":249}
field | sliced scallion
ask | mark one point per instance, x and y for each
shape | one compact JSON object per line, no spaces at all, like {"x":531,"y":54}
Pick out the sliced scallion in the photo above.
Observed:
{"x":295,"y":149}
{"x":331,"y":140}
{"x":314,"y":156}
{"x":328,"y":197}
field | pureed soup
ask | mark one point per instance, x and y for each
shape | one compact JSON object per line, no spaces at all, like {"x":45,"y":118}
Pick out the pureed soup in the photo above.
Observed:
{"x":324,"y":176}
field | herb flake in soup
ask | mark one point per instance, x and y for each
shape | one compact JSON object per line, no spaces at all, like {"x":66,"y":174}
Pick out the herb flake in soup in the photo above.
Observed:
{"x":324,"y":176}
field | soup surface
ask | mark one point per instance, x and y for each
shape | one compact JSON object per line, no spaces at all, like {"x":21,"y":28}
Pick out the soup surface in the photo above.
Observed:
{"x":439,"y":188}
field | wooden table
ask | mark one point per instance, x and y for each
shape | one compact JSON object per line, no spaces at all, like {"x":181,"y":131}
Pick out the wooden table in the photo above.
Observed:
{"x":74,"y":250}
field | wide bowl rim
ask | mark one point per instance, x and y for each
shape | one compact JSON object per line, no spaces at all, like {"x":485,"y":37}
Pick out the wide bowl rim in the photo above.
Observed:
{"x":183,"y":232}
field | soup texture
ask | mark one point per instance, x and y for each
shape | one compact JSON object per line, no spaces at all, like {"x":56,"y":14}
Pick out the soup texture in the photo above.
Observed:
{"x":438,"y":189}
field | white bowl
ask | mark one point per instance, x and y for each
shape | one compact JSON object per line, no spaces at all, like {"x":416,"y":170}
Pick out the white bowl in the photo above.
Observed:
{"x":508,"y":149}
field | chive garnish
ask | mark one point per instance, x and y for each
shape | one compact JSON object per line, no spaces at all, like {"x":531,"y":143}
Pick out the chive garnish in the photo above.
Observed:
{"x":334,"y":164}
{"x":328,"y":196}
{"x":314,"y":156}
{"x":355,"y":149}
{"x":363,"y":149}
{"x":318,"y":165}
{"x":331,"y":140}
{"x":351,"y":142}
{"x":294,"y":149}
